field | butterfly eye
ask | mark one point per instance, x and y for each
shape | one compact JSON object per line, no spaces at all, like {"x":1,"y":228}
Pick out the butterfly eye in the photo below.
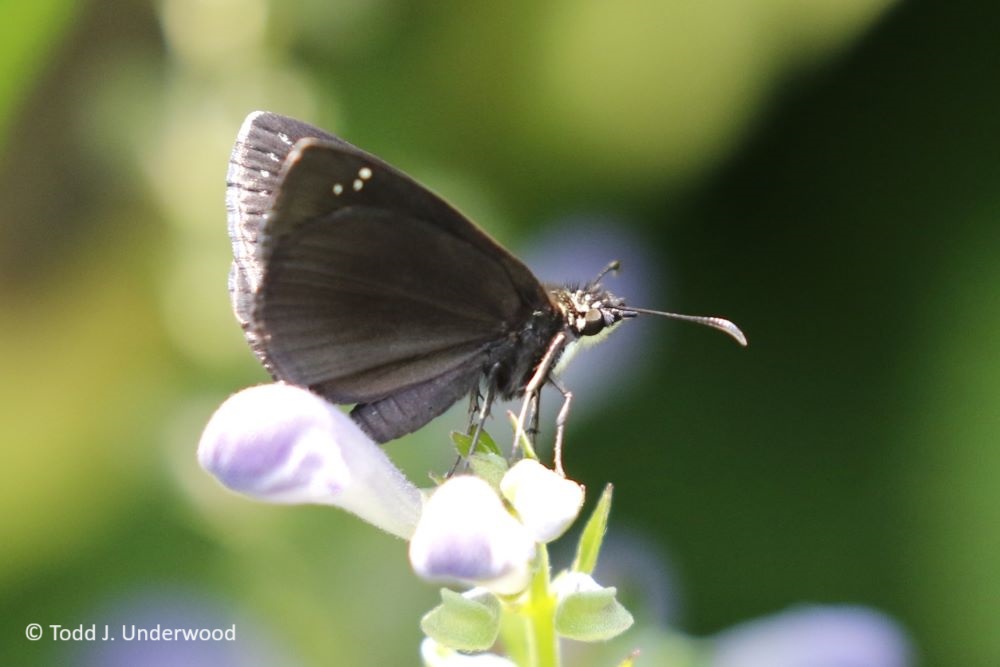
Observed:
{"x":593,"y":323}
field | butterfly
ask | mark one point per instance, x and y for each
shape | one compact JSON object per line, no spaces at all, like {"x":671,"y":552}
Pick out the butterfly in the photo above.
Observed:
{"x":352,"y":279}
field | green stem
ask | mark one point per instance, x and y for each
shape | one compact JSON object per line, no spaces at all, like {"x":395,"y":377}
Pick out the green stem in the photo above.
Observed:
{"x":542,"y":642}
{"x":528,"y":624}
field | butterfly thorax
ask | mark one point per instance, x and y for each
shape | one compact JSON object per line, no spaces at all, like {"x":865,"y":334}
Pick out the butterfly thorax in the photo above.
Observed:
{"x":513,"y":360}
{"x":584,"y":314}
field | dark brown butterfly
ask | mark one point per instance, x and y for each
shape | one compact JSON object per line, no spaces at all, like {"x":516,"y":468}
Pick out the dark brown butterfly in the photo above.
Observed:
{"x":352,"y":279}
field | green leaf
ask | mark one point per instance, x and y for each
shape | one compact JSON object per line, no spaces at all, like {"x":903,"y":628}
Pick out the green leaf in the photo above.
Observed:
{"x":593,"y":534}
{"x":592,"y":616}
{"x":463,"y":622}
{"x":462,"y":443}
{"x":485,"y":444}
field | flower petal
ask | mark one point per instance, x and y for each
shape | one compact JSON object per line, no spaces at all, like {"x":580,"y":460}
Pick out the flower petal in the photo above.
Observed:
{"x":466,"y":535}
{"x":283,"y":444}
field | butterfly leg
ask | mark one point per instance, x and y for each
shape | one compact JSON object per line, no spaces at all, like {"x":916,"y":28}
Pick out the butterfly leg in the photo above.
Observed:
{"x":484,"y":412}
{"x":526,"y":435}
{"x":535,"y":413}
{"x":561,"y":423}
{"x":534,"y":388}
{"x":474,"y":397}
{"x":478,"y":403}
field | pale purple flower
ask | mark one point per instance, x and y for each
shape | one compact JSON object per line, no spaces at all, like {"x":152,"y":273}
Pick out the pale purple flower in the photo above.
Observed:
{"x":546,"y":503}
{"x":465,"y":535}
{"x":816,"y":636}
{"x":283,"y":444}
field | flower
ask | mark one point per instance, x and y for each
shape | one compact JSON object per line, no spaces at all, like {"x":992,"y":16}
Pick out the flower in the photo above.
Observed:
{"x":466,"y":535}
{"x":283,"y":444}
{"x":815,"y":636}
{"x":546,"y":502}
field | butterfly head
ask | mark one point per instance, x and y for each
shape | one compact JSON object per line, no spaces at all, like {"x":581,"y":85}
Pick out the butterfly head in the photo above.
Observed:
{"x":590,"y":310}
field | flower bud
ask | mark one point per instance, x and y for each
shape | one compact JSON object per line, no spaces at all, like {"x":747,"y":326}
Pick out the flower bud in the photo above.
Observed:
{"x":546,"y":502}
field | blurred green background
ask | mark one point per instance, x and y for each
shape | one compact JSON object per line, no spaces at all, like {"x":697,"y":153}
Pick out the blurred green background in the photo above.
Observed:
{"x":825,"y":173}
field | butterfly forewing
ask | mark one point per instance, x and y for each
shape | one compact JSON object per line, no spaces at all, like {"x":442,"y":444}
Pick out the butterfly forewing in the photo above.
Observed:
{"x":356,"y":281}
{"x":335,"y":285}
{"x":252,"y":183}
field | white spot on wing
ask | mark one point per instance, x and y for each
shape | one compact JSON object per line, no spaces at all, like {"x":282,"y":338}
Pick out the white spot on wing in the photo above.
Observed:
{"x":358,"y":184}
{"x":337,"y":189}
{"x":284,"y":138}
{"x":365,"y":173}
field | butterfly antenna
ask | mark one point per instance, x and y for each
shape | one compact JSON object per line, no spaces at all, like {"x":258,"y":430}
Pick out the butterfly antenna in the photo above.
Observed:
{"x":612,"y":267}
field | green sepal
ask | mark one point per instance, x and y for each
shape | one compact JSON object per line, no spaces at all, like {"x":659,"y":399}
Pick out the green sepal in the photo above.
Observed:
{"x":592,"y":536}
{"x":592,"y":616}
{"x":464,"y":623}
{"x":490,"y":467}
